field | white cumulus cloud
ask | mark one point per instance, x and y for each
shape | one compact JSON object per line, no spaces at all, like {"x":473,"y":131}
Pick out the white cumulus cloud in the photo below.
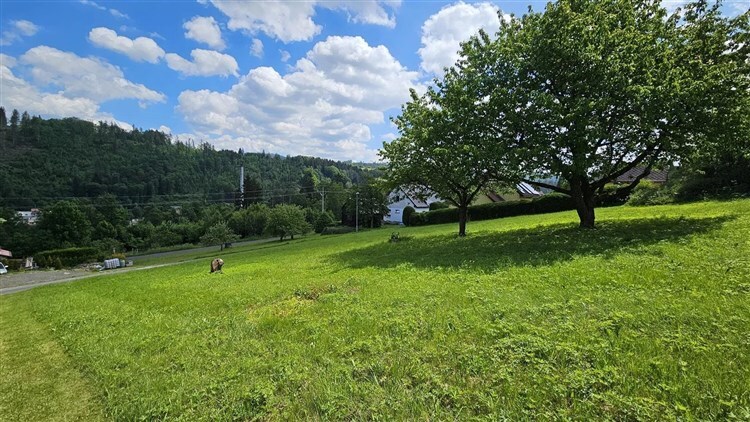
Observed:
{"x":324,"y":106}
{"x":84,"y":77}
{"x":293,"y":21}
{"x":7,"y":61}
{"x":139,"y":49}
{"x":370,"y":12}
{"x":114,"y":12}
{"x":205,"y":30}
{"x":443,"y":32}
{"x":17,"y":30}
{"x":21,"y":95}
{"x":256,"y":48}
{"x":205,"y":63}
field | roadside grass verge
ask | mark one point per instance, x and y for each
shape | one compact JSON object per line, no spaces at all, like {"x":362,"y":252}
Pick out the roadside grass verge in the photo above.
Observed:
{"x":645,"y":318}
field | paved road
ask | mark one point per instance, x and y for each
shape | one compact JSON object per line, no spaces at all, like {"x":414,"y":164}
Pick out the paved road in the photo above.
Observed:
{"x":20,"y":281}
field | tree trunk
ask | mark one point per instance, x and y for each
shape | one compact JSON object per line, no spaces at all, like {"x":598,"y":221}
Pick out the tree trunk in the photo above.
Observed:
{"x":462,"y":217}
{"x":583,"y":196}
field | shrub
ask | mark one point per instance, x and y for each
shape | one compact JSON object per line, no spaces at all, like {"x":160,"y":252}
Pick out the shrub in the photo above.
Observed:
{"x":697,"y":188}
{"x":553,"y":202}
{"x":105,"y":247}
{"x":337,"y":230}
{"x":447,"y":215}
{"x":66,"y":257}
{"x":418,"y":219}
{"x":406,"y":214}
{"x":323,"y":220}
{"x":438,"y":206}
{"x":13,"y":264}
{"x":610,"y":197}
{"x":649,"y":193}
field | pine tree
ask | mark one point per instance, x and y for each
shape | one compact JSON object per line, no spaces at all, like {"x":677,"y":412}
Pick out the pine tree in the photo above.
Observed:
{"x":3,"y":127}
{"x":14,"y":126}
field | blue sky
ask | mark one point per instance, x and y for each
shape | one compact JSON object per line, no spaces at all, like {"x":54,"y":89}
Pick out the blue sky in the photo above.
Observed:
{"x":309,"y":78}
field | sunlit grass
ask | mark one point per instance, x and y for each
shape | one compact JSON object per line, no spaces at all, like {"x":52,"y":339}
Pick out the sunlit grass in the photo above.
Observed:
{"x":646,"y":317}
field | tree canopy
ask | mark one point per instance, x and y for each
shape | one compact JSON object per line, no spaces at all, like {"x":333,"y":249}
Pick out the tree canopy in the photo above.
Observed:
{"x":447,"y":146}
{"x":586,"y":90}
{"x":220,"y":234}
{"x":287,"y":220}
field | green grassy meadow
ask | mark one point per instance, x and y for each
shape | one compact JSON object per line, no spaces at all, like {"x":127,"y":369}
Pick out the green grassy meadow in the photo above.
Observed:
{"x":647,"y":317}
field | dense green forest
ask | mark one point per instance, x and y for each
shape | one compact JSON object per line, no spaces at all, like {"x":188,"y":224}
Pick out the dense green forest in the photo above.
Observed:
{"x":47,"y":160}
{"x":102,"y":187}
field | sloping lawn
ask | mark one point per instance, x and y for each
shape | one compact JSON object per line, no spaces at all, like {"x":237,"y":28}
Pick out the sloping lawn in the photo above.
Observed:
{"x":647,"y":317}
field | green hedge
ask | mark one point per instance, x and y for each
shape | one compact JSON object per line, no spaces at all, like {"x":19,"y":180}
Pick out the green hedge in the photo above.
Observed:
{"x":406,"y":215}
{"x":553,"y":202}
{"x":13,"y":264}
{"x":66,"y":257}
{"x":337,"y":230}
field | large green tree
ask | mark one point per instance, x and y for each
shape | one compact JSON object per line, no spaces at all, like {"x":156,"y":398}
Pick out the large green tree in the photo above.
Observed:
{"x":590,"y":89}
{"x":287,"y":220}
{"x":448,"y":146}
{"x":67,"y":224}
{"x":220,"y":234}
{"x":373,"y":204}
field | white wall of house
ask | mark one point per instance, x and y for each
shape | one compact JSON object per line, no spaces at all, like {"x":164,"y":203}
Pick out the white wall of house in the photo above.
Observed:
{"x":400,"y":201}
{"x":396,"y":211}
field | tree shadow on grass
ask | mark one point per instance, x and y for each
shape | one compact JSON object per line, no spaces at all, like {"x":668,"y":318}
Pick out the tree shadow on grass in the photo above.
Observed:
{"x":543,"y":245}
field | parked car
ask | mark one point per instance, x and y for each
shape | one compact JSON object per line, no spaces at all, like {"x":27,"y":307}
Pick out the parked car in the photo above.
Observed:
{"x":3,"y":269}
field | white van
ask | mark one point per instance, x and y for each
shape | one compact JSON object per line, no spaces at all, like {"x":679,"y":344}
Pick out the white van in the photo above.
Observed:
{"x":3,"y":269}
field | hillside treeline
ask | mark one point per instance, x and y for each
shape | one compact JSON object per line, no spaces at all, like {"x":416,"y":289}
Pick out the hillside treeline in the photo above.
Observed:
{"x":44,"y":160}
{"x":97,"y":185}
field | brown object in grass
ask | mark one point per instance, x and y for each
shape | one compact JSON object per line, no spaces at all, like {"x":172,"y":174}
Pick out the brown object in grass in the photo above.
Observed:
{"x":216,"y":265}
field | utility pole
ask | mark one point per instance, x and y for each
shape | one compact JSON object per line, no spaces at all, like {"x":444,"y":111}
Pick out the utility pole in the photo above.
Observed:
{"x":242,"y":186}
{"x":323,"y":200}
{"x":356,"y":215}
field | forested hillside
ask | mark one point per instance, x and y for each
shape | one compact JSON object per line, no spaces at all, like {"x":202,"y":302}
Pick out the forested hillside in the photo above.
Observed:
{"x":47,"y":160}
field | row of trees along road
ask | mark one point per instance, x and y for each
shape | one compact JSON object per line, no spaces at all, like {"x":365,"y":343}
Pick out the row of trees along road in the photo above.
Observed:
{"x":586,"y":90}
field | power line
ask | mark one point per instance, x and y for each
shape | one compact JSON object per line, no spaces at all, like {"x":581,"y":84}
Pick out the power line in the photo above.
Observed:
{"x":199,"y":198}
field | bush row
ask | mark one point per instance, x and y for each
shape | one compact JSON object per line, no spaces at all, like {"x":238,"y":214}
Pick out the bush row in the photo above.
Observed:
{"x":66,"y":257}
{"x":337,"y":230}
{"x":549,"y":203}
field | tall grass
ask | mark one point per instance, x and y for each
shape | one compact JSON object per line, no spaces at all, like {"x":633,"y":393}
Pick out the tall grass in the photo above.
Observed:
{"x":646,"y":317}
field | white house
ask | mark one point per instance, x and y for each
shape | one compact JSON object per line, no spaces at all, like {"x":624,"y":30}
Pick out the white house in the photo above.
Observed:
{"x":403,"y":197}
{"x":29,"y":217}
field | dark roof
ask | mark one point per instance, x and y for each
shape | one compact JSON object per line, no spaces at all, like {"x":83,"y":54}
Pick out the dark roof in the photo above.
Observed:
{"x":413,"y":196}
{"x":524,"y":189}
{"x":494,"y":197}
{"x":656,"y":175}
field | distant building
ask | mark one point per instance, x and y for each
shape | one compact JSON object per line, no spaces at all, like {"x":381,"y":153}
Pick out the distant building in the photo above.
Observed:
{"x":403,"y":197}
{"x":657,"y":176}
{"x":409,"y":197}
{"x":29,"y":217}
{"x":523,"y":191}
